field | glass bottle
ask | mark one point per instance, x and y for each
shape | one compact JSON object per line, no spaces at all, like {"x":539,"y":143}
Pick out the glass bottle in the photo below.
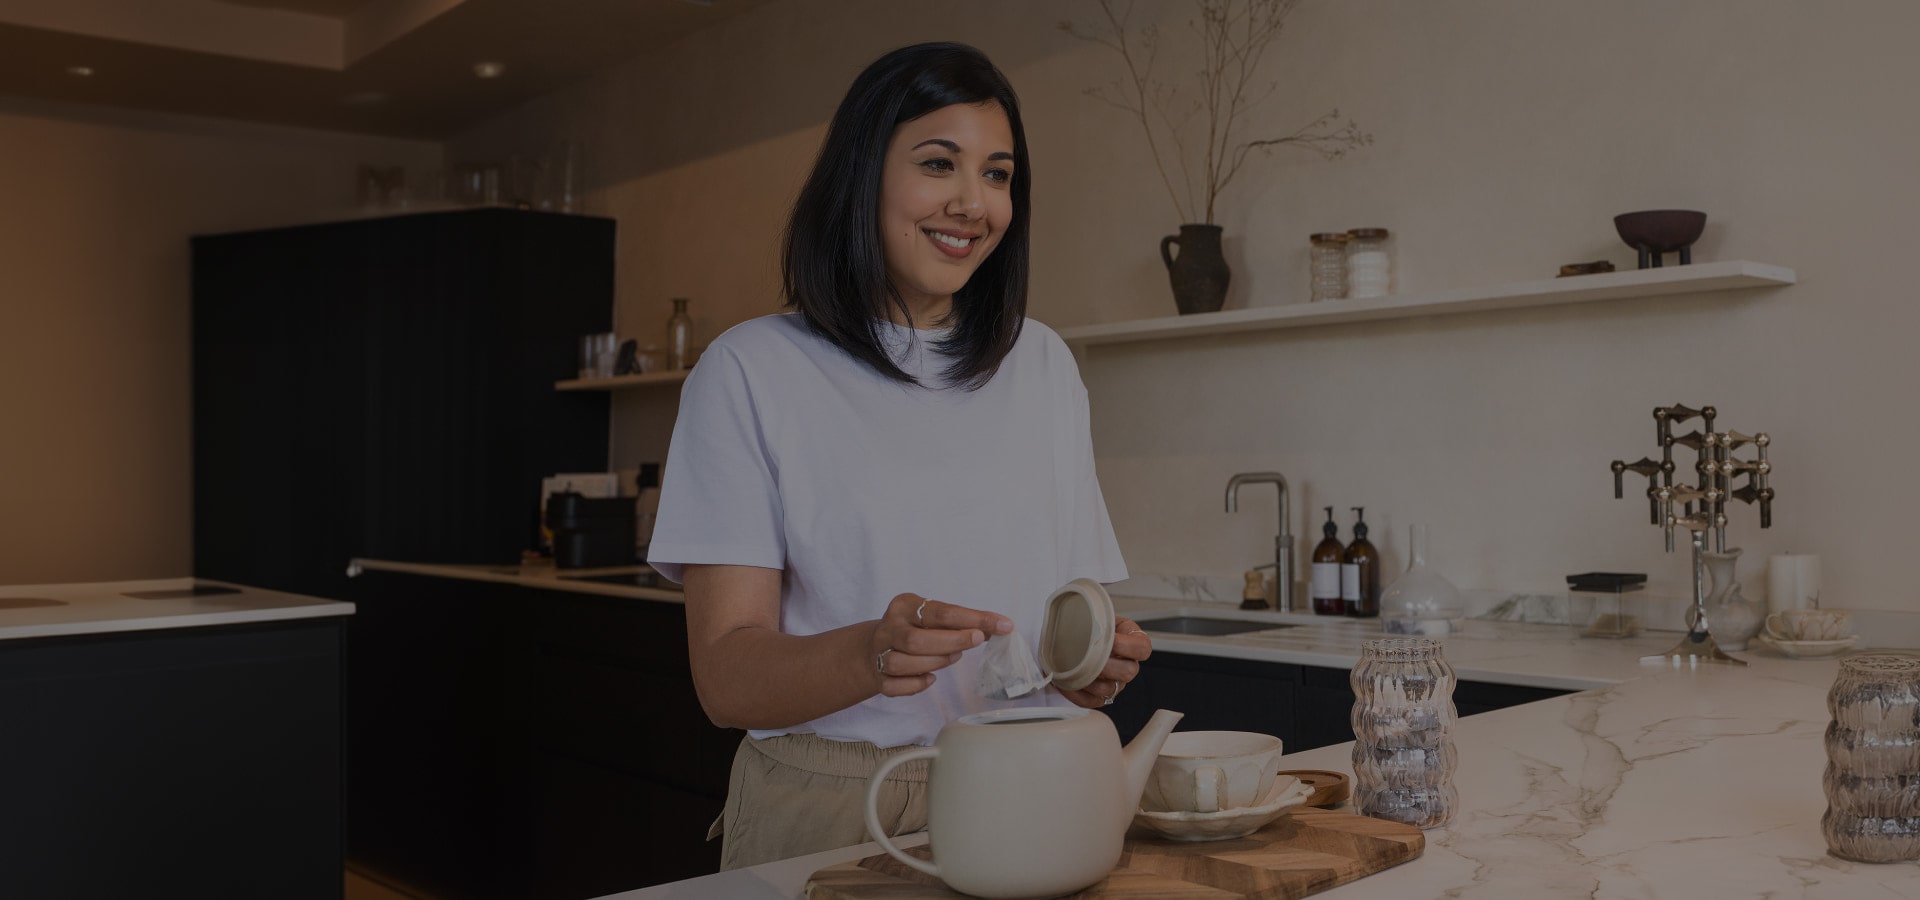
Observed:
{"x":1420,"y":592}
{"x":679,"y":336}
{"x":1872,"y":780}
{"x":1360,"y":572}
{"x":1369,"y":266}
{"x":1403,"y":720}
{"x":1328,"y":261}
{"x":1325,"y":581}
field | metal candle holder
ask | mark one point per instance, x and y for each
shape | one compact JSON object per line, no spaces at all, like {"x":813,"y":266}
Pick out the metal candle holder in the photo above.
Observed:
{"x":1703,"y":507}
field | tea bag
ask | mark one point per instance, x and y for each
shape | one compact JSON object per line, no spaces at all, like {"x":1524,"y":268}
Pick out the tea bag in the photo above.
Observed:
{"x":1008,"y":669}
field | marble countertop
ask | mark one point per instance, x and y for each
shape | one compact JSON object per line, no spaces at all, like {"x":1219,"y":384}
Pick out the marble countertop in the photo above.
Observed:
{"x":54,"y":610}
{"x":1653,"y":781}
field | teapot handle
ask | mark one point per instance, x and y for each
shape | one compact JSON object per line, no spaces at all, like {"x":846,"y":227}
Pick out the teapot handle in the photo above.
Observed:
{"x":873,"y":799}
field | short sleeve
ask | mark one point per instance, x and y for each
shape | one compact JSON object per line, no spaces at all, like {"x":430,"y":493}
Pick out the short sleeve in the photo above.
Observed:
{"x":1096,"y":553}
{"x":720,"y":494}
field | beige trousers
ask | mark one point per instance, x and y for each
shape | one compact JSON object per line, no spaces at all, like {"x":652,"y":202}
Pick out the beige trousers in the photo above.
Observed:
{"x":797,"y":794}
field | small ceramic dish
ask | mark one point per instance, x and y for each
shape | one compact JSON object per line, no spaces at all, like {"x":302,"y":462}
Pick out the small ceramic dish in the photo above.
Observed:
{"x":1287,"y":793}
{"x":1806,"y":649}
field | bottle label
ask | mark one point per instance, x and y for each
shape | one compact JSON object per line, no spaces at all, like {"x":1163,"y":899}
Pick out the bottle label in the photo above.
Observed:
{"x":1326,"y":581}
{"x":1350,"y":582}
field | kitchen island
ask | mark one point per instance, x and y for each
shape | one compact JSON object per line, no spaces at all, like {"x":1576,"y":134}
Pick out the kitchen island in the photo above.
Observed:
{"x":1654,"y":782}
{"x":170,"y":738}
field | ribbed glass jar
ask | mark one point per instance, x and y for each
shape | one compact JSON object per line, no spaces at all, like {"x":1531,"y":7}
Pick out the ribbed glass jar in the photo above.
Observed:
{"x":1403,"y":721}
{"x":1873,"y":759}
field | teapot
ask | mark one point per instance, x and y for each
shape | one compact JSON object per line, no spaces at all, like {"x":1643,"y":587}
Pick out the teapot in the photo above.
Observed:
{"x":1027,"y":802}
{"x":1036,"y":801}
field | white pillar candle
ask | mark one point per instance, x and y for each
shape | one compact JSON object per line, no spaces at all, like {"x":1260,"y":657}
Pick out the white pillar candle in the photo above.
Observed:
{"x":1793,"y":581}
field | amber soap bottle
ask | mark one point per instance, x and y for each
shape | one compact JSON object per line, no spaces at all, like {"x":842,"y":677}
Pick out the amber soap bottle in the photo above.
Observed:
{"x":1325,"y":583}
{"x":1360,"y":572}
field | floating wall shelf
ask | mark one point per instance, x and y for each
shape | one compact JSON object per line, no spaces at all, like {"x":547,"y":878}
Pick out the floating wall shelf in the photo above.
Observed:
{"x":1688,"y":279}
{"x":621,"y":381}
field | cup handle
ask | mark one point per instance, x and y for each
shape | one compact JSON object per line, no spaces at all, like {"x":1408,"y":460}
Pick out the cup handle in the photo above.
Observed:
{"x":1773,"y":632}
{"x":1209,"y":789}
{"x":873,"y":817}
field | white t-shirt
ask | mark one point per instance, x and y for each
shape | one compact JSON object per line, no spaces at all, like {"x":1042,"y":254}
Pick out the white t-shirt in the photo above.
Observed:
{"x":791,"y":454}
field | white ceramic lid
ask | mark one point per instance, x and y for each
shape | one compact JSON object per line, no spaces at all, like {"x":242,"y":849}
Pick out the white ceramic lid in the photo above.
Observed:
{"x":1077,"y":636}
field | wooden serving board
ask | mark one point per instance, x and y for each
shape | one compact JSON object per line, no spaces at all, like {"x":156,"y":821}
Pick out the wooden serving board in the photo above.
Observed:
{"x":1303,"y":853}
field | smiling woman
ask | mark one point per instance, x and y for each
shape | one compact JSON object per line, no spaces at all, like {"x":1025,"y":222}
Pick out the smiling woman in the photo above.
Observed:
{"x":906,"y":434}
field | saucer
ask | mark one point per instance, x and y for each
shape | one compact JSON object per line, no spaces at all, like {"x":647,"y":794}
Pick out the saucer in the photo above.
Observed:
{"x":1807,"y":649}
{"x":1287,"y":792}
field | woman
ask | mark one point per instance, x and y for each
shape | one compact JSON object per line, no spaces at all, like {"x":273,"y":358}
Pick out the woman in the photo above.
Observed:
{"x":906,"y":434}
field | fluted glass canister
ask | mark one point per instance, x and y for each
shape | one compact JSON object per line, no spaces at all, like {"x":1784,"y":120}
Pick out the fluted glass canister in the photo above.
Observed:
{"x":1873,"y":759}
{"x":1403,"y":720}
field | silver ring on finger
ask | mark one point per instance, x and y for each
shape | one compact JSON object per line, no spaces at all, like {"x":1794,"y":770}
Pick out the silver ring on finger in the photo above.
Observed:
{"x":1111,"y":695}
{"x":920,"y":614}
{"x":1136,"y":631}
{"x":880,"y":662}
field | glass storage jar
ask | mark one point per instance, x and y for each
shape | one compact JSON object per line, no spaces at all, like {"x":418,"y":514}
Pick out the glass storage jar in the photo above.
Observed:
{"x":1403,"y":720}
{"x":1328,"y":262}
{"x":1872,"y":780}
{"x":1369,"y":263}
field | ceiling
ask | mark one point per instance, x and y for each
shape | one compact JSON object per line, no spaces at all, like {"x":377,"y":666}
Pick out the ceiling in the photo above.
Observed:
{"x":404,"y":68}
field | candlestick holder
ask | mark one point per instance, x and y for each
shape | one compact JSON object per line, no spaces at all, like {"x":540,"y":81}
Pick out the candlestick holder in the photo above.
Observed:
{"x":1702,"y":507}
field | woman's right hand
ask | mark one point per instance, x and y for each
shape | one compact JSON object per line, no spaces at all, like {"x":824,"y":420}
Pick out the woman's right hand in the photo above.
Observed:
{"x":918,"y":636}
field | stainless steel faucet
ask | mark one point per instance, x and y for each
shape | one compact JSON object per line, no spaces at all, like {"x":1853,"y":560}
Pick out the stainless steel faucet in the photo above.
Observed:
{"x":1282,"y":542}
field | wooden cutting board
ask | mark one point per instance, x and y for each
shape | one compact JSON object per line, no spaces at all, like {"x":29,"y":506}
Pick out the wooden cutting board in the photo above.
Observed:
{"x":1303,"y":853}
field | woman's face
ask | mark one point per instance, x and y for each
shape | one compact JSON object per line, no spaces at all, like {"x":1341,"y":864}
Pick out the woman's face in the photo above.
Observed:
{"x":945,"y":201}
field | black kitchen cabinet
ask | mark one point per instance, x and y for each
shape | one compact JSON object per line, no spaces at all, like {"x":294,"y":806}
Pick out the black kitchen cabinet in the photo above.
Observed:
{"x":1305,"y":706}
{"x":383,"y":388}
{"x":514,"y":742}
{"x":175,"y":763}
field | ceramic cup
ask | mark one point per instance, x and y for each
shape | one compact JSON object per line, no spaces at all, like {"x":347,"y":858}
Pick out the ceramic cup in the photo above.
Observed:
{"x":1808,"y":625}
{"x":1210,"y":771}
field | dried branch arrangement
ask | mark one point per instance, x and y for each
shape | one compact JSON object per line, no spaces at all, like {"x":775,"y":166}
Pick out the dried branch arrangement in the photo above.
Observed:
{"x":1199,"y":128}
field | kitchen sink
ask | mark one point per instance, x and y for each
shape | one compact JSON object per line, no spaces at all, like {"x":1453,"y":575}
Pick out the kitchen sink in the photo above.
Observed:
{"x":1207,"y":626}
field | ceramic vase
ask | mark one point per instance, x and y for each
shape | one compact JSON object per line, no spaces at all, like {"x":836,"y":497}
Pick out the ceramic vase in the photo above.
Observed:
{"x":1199,"y":271}
{"x":1733,"y":619}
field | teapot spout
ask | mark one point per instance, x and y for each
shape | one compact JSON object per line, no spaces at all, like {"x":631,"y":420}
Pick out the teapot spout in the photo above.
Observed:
{"x":1139,"y":756}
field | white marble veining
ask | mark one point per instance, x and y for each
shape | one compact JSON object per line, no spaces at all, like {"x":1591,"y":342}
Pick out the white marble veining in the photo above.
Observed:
{"x":53,"y":610}
{"x":1654,"y":781}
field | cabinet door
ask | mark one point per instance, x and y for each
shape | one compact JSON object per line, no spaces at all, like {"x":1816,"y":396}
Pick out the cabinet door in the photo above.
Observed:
{"x":1214,"y":694}
{"x":181,"y":763}
{"x":279,"y":368}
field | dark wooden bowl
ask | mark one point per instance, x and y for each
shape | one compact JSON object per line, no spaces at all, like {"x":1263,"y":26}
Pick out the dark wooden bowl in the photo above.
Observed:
{"x":1660,"y":230}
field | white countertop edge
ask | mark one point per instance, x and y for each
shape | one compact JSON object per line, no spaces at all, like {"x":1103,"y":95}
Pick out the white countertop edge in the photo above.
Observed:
{"x":187,"y":620}
{"x":538,"y":582}
{"x":90,"y":608}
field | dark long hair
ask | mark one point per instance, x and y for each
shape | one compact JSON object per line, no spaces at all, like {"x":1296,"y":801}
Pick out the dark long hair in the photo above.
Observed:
{"x":833,"y":267}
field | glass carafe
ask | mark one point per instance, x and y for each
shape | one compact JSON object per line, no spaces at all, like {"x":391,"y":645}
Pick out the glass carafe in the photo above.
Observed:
{"x":1420,"y":592}
{"x":1403,"y":720}
{"x":1872,"y":780}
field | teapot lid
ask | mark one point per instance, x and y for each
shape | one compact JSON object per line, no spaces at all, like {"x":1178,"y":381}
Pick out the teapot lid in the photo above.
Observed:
{"x":1077,"y":635}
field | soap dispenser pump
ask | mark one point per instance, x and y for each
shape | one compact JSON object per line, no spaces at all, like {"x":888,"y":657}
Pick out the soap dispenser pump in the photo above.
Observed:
{"x":1360,"y":571}
{"x":1326,"y":570}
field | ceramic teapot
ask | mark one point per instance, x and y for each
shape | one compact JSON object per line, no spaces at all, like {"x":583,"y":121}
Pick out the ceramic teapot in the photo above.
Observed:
{"x":1034,"y":802}
{"x":1027,"y":802}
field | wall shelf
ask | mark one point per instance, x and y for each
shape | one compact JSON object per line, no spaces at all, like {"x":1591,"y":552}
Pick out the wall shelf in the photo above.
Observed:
{"x":1689,"y":279}
{"x":621,"y":381}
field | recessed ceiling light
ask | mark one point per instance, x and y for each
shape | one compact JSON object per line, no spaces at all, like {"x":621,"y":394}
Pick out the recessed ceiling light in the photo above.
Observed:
{"x":80,"y":71}
{"x":489,"y":69}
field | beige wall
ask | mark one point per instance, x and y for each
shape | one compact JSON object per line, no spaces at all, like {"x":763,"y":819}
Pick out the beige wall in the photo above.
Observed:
{"x":95,"y":211}
{"x":1508,"y":134}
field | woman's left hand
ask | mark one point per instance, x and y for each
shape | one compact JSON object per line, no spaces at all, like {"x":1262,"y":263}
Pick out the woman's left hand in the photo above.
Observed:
{"x":1130,"y":646}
